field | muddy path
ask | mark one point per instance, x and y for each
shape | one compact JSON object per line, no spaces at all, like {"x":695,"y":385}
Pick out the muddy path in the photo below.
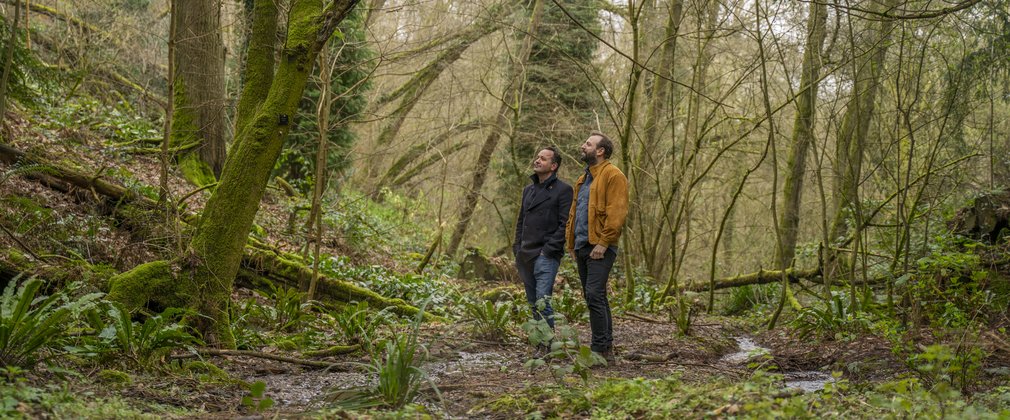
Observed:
{"x":470,"y":373}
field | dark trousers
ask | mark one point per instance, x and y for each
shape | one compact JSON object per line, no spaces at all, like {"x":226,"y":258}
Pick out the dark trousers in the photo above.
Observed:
{"x":594,"y":274}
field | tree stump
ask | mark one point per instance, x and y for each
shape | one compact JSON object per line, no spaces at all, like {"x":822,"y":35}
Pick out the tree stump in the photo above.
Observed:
{"x":986,"y":218}
{"x":477,"y":266}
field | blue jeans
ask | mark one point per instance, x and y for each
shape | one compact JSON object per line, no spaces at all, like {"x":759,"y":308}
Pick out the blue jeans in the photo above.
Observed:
{"x":538,"y":277}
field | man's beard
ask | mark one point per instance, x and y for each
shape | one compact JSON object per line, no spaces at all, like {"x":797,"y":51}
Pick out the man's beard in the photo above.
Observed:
{"x":589,"y":159}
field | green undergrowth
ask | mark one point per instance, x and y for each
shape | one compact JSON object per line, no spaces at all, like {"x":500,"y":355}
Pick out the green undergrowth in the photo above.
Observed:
{"x":758,"y":397}
{"x":62,"y":401}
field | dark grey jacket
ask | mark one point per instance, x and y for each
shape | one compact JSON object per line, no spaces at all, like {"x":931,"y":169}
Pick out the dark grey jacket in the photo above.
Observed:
{"x":543,"y":215}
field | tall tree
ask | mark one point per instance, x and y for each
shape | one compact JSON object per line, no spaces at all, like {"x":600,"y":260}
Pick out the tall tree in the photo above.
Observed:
{"x":198,"y":120}
{"x":869,"y":51}
{"x":508,"y":112}
{"x":803,"y":131}
{"x":208,"y":271}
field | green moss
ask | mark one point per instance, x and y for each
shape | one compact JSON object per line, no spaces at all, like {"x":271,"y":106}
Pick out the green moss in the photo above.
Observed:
{"x":500,"y":294}
{"x":196,"y":171}
{"x":148,"y":285}
{"x":205,"y":368}
{"x":114,"y":377}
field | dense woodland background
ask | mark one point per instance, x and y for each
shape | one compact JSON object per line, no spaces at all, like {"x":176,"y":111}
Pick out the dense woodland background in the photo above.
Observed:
{"x":850,"y":155}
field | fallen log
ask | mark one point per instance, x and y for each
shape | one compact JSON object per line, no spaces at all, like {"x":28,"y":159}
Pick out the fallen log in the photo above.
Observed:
{"x":760,"y":277}
{"x":260,"y":260}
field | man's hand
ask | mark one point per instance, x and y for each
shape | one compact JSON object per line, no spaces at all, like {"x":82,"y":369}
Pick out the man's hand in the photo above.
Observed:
{"x":597,"y":252}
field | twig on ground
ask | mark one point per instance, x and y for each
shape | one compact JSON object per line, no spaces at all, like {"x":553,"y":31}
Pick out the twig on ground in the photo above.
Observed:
{"x":644,"y":318}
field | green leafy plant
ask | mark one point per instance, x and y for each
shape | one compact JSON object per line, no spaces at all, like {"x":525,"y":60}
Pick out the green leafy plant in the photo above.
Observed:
{"x":246,"y":337}
{"x":358,"y":324}
{"x":941,"y":366}
{"x":29,"y":326}
{"x":566,"y":356}
{"x":398,"y":367}
{"x":145,"y":342}
{"x":489,"y":320}
{"x":569,"y":303}
{"x":833,"y":320}
{"x":256,"y":399}
{"x":288,"y":310}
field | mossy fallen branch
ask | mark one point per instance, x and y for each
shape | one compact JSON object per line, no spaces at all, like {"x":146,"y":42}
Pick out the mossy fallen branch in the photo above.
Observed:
{"x":264,"y":261}
{"x":760,"y":277}
{"x":332,"y":351}
{"x":260,"y":259}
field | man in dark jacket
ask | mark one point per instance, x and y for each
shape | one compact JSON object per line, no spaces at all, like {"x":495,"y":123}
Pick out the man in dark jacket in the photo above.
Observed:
{"x":540,"y":231}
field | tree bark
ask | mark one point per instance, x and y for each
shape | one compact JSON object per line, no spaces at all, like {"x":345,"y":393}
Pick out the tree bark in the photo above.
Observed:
{"x":511,"y":99}
{"x":9,"y":62}
{"x":224,"y":226}
{"x":803,"y":132}
{"x":198,"y":94}
{"x":259,"y":62}
{"x":851,"y":137}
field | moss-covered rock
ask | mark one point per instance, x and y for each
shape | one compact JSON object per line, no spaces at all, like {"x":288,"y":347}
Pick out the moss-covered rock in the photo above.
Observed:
{"x":151,"y":285}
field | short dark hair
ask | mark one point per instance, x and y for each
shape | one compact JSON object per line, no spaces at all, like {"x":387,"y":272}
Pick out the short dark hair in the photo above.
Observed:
{"x":605,"y":143}
{"x":557,"y":155}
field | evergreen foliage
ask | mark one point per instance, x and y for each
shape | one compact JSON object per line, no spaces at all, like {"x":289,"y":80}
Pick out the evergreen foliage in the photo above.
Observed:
{"x":30,"y":80}
{"x":560,"y":102}
{"x":348,"y":86}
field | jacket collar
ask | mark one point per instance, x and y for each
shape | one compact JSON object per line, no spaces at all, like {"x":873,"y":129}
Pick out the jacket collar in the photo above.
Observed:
{"x":550,"y":180}
{"x":597,"y":168}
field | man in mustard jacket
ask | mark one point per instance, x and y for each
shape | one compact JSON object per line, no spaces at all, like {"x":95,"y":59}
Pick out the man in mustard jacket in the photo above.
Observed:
{"x":595,"y":222}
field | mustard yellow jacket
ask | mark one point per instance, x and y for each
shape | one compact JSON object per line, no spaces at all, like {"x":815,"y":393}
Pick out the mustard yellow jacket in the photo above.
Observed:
{"x":608,"y":205}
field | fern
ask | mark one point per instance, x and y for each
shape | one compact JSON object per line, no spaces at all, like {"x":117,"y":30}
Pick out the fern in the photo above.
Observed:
{"x":29,"y":326}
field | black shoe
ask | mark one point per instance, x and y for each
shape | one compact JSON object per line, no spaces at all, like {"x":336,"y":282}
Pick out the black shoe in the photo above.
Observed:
{"x":542,"y":352}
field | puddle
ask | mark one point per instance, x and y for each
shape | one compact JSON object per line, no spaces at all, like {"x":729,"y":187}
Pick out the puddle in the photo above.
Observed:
{"x":808,"y":381}
{"x":466,"y":362}
{"x":748,"y":351}
{"x":305,"y":389}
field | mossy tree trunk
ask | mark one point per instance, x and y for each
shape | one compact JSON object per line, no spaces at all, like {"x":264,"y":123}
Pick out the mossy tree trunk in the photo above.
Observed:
{"x":223,"y":229}
{"x":803,"y":133}
{"x":855,"y":125}
{"x":198,"y":95}
{"x":259,"y":62}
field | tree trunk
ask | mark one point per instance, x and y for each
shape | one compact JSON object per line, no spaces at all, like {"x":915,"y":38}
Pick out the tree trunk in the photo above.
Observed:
{"x":198,"y":95}
{"x":803,"y":133}
{"x":856,"y":123}
{"x":412,"y":91}
{"x":259,"y":63}
{"x":224,"y":226}
{"x":657,"y":119}
{"x":509,"y":106}
{"x":9,"y":62}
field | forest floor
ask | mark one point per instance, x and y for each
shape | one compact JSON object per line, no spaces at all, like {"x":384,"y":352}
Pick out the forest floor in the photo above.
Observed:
{"x":472,"y":376}
{"x":469,"y":377}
